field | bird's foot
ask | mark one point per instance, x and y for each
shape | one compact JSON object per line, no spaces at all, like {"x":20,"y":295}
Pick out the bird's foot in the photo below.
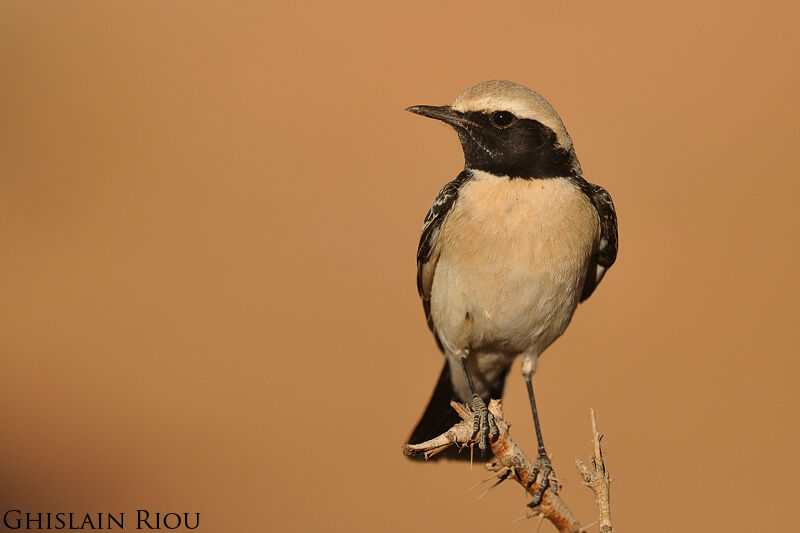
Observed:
{"x":542,"y":466}
{"x":485,"y":428}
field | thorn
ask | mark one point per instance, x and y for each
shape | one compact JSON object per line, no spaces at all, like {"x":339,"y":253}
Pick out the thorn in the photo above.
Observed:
{"x":585,"y":528}
{"x":479,"y":483}
{"x":541,"y":519}
{"x":471,"y":447}
{"x":530,"y":513}
{"x":502,"y":478}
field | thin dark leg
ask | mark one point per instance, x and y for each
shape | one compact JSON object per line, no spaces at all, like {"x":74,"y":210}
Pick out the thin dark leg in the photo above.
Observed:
{"x":469,"y":378}
{"x":542,"y":462}
{"x":535,"y":416}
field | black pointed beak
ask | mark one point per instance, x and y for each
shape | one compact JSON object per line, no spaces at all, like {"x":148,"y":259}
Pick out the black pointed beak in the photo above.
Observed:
{"x":445,"y":113}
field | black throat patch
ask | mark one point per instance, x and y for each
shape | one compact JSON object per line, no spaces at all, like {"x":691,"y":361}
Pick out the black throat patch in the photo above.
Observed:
{"x":526,"y":149}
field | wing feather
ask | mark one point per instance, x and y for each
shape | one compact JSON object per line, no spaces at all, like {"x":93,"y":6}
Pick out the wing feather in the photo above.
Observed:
{"x":427,"y":252}
{"x":606,"y":252}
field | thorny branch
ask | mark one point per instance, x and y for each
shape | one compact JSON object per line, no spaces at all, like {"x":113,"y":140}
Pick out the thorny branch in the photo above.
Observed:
{"x":511,"y":463}
{"x":596,"y":478}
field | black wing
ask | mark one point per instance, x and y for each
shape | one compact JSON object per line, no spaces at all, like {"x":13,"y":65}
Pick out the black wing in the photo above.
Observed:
{"x":607,"y":250}
{"x":427,"y":253}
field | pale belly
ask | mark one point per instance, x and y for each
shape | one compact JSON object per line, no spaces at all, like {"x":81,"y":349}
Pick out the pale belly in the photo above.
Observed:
{"x":512,"y":261}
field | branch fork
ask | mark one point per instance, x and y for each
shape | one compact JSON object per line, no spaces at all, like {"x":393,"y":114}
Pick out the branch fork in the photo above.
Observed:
{"x":596,"y":478}
{"x":510,"y":462}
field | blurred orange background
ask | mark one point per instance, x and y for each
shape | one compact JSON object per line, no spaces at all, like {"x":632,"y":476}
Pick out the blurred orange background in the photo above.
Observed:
{"x":209,"y":214}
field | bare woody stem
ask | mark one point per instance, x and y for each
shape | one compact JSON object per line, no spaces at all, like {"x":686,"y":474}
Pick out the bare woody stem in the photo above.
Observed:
{"x":597,"y":479}
{"x":510,"y":463}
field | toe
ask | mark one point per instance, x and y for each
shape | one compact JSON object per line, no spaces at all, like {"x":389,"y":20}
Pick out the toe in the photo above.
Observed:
{"x":494,"y":432}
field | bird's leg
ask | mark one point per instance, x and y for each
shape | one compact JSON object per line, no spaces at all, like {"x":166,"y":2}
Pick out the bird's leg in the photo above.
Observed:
{"x":542,"y":463}
{"x":483,"y":423}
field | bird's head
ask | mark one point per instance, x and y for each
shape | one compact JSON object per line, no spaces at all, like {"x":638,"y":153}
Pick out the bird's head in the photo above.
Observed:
{"x":508,"y":130}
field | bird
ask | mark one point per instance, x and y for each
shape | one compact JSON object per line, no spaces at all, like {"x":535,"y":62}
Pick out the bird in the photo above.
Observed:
{"x":507,"y":251}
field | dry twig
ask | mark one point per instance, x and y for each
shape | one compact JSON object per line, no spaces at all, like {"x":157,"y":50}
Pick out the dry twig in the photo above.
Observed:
{"x":510,"y":462}
{"x":597,"y":479}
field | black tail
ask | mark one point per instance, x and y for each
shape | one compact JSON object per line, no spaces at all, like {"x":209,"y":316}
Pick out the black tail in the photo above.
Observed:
{"x":439,"y":416}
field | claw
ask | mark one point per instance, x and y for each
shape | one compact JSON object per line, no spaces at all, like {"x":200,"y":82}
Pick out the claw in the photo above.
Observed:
{"x":542,"y":465}
{"x":494,"y":431}
{"x":534,"y":473}
{"x":543,"y":486}
{"x":484,"y":425}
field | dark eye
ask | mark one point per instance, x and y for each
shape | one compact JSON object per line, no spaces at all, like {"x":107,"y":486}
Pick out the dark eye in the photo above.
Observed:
{"x":502,"y":119}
